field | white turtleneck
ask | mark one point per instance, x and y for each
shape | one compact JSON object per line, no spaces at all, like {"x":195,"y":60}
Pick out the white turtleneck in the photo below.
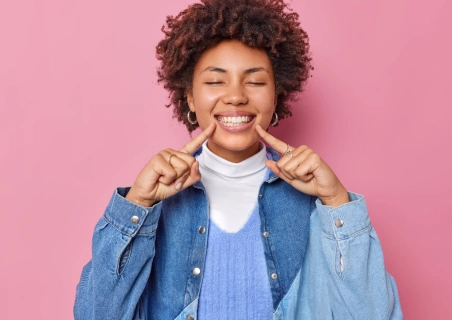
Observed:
{"x":232,"y":188}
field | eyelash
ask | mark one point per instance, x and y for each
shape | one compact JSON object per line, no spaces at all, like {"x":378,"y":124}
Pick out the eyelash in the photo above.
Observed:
{"x":219,"y":82}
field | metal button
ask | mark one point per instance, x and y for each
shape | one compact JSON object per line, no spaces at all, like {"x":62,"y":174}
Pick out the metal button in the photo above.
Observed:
{"x":339,"y":223}
{"x":190,"y":318}
{"x":135,"y":220}
{"x":265,"y":234}
{"x":196,"y":271}
{"x":201,"y":229}
{"x":274,"y":276}
{"x":260,"y":196}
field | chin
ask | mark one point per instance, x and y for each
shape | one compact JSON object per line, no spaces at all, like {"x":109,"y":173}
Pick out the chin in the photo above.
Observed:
{"x":234,"y":144}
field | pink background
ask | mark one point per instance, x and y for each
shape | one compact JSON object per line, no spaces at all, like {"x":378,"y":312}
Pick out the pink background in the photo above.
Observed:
{"x":81,"y":113}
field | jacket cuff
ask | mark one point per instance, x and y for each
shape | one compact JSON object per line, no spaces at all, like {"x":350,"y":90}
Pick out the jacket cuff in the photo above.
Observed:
{"x":131,"y":218}
{"x":345,"y":220}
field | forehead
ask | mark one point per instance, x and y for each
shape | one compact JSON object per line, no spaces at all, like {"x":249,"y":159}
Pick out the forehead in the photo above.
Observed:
{"x":233,"y":55}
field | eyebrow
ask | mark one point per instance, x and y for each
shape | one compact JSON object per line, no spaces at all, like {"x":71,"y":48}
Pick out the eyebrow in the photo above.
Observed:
{"x":253,"y":70}
{"x":221,"y":70}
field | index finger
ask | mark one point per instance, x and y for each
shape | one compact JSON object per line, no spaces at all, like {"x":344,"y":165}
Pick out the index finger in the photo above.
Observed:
{"x":193,"y":145}
{"x":277,"y":144}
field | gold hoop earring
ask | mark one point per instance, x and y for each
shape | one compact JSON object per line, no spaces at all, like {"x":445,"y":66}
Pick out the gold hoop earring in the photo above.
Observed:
{"x":276,"y":119}
{"x":190,"y":120}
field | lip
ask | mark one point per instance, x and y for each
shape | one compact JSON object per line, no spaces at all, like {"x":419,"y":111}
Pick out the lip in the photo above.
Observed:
{"x":234,"y":113}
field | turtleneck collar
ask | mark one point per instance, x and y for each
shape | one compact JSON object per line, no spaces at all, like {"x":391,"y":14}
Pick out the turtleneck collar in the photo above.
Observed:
{"x":227,"y":169}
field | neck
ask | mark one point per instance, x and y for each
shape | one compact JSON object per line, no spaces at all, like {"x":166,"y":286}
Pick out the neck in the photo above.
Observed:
{"x":235,"y":156}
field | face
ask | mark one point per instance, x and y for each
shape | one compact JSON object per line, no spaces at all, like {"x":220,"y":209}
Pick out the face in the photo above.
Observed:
{"x":234,"y":87}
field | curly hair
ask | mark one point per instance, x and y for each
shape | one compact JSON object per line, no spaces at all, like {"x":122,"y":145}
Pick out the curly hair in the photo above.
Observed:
{"x":266,"y":24}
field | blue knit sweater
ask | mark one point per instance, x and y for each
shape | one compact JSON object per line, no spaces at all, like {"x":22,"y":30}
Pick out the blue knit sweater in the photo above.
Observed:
{"x":235,"y":284}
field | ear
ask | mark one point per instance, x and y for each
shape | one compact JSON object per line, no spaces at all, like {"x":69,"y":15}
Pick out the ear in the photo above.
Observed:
{"x":190,"y":101}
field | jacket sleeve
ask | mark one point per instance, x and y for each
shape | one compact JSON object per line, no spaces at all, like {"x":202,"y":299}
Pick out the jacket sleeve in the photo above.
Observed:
{"x":123,"y":248}
{"x":359,"y":286}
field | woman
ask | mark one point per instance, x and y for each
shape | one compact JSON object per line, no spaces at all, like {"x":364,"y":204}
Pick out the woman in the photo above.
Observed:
{"x":225,"y":228}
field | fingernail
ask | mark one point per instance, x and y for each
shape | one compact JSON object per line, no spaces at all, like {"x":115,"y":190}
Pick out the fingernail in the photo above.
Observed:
{"x":178,"y":185}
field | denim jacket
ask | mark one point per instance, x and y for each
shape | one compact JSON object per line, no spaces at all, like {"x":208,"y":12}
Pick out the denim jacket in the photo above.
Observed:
{"x":323,"y":262}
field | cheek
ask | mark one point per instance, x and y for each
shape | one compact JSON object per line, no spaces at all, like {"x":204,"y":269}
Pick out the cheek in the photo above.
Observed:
{"x":204,"y":103}
{"x":265,"y":102}
{"x":205,"y":99}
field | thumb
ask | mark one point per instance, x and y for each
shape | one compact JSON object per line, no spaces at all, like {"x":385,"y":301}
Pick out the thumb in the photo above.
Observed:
{"x":274,"y":168}
{"x":194,"y":175}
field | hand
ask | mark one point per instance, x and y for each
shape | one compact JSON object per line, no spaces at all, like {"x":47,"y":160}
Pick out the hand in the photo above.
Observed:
{"x":168,"y":172}
{"x":305,"y":171}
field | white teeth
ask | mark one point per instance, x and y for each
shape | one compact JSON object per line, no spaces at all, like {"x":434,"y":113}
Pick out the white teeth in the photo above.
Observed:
{"x":234,"y":121}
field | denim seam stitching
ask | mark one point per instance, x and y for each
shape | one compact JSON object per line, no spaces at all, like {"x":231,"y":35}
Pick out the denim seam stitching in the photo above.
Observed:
{"x":135,"y":232}
{"x":356,"y":233}
{"x":352,"y":235}
{"x":117,"y":229}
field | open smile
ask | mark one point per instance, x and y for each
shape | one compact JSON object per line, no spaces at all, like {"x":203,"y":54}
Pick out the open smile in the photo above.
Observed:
{"x":233,"y":121}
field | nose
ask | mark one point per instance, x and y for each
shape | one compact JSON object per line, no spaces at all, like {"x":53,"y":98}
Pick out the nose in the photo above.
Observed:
{"x":235,"y":95}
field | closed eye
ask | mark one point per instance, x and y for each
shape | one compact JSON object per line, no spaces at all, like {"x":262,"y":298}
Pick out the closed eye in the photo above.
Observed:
{"x":213,"y":82}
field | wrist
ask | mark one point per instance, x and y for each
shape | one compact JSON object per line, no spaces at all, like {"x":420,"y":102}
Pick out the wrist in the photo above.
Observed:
{"x":336,"y":200}
{"x":133,"y":197}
